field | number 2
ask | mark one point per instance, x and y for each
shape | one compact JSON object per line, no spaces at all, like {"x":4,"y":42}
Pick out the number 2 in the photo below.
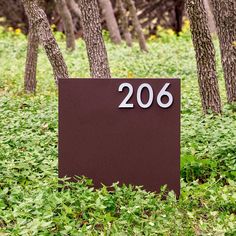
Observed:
{"x":125,"y":103}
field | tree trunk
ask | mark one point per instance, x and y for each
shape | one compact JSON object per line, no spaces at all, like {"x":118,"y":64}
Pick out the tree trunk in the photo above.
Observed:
{"x":179,"y":13}
{"x":225,"y":18}
{"x":31,"y":61}
{"x":73,"y":6}
{"x":108,"y":14}
{"x":205,"y":56}
{"x":210,"y":16}
{"x":96,"y":50}
{"x":137,"y":25}
{"x":68,"y":24}
{"x":30,"y":81}
{"x":40,"y":23}
{"x":124,"y":23}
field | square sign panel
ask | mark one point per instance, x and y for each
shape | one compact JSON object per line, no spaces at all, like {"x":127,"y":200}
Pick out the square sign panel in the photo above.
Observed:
{"x":121,"y":130}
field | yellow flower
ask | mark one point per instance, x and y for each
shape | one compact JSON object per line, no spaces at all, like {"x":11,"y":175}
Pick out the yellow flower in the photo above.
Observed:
{"x":53,"y":26}
{"x":18,"y":31}
{"x":130,"y":74}
{"x":170,"y":32}
{"x":10,"y":29}
{"x":234,"y":43}
{"x":152,"y":37}
{"x":187,"y":23}
{"x":159,"y":28}
{"x":186,"y":26}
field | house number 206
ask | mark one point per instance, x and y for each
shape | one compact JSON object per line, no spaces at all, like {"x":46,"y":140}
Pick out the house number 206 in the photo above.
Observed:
{"x":161,"y":94}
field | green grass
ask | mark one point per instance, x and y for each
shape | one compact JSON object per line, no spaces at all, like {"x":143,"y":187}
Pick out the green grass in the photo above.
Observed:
{"x":30,"y":203}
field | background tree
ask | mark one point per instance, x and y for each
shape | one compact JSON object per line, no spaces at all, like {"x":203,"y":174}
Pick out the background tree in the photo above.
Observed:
{"x":41,"y":28}
{"x":225,"y":18}
{"x":205,"y":56}
{"x":179,"y":13}
{"x":211,"y":21}
{"x":137,"y":25}
{"x":74,"y":8}
{"x":151,"y":13}
{"x":108,"y":14}
{"x":96,"y":50}
{"x":68,"y":24}
{"x":124,"y":22}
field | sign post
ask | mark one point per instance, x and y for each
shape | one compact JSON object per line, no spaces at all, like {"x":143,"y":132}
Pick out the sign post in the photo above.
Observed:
{"x":121,"y":130}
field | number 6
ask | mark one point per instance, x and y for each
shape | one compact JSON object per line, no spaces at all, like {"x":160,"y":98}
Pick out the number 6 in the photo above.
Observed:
{"x":163,"y":93}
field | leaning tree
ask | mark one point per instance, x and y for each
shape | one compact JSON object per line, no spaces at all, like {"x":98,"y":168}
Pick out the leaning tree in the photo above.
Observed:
{"x":40,"y":31}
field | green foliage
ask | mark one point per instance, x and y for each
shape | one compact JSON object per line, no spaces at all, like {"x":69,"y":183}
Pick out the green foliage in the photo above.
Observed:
{"x":32,"y":202}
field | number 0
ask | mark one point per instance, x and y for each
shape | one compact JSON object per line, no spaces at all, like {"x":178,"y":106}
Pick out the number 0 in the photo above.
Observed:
{"x":139,"y":96}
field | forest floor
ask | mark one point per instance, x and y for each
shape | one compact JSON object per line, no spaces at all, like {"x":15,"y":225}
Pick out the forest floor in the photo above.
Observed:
{"x":30,"y":203}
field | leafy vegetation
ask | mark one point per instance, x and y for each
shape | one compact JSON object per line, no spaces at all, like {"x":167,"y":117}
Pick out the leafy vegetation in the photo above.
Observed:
{"x":30,"y":203}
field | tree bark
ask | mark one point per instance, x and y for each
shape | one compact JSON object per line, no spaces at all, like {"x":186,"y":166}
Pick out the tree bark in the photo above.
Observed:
{"x":137,"y":25}
{"x":179,"y":13}
{"x":96,"y":50}
{"x":225,"y":18}
{"x":211,"y":22}
{"x":124,"y":23}
{"x":108,"y":14}
{"x":205,"y":56}
{"x":73,"y":6}
{"x":30,"y":81}
{"x":68,"y":24}
{"x":39,"y":22}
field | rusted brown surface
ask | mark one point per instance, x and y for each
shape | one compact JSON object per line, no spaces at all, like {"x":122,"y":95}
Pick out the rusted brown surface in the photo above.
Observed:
{"x":107,"y":144}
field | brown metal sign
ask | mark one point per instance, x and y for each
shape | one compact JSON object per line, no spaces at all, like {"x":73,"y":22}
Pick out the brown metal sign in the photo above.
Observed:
{"x":121,"y":130}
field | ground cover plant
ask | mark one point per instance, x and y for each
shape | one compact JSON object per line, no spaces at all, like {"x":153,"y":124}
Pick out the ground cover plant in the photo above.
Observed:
{"x":30,"y":203}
